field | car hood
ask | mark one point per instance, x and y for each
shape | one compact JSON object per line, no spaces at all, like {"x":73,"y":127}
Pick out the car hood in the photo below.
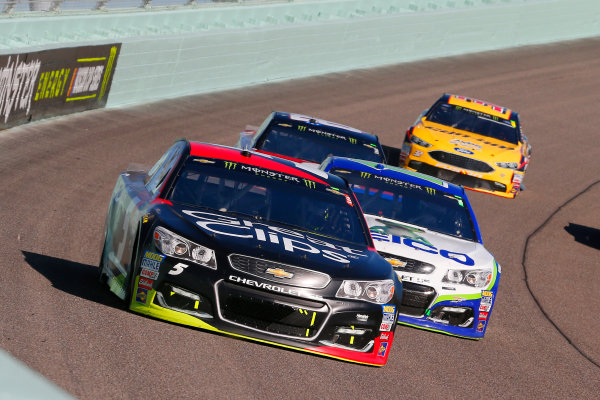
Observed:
{"x":466,"y":143}
{"x":409,"y":241}
{"x":237,"y":234}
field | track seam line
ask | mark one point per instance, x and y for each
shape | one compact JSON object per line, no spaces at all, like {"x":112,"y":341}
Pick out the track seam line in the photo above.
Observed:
{"x":523,"y":264}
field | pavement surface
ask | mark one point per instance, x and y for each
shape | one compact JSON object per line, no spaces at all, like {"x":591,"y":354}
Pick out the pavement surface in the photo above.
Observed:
{"x":543,"y":339}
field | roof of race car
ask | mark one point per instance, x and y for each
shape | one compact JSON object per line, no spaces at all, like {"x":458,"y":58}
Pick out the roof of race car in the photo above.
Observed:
{"x":393,"y":172}
{"x":478,"y":105}
{"x":334,"y":126}
{"x":208,"y":150}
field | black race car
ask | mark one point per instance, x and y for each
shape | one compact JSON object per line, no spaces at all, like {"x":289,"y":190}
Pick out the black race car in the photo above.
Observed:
{"x":252,"y":245}
{"x":305,"y":139}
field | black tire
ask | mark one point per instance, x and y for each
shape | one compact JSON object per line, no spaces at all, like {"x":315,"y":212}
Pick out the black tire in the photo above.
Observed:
{"x":101,"y":277}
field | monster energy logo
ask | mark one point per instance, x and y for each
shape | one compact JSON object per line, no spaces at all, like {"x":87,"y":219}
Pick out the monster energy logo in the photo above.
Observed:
{"x":352,"y":140}
{"x":301,"y":128}
{"x":430,"y":190}
{"x":230,"y":165}
{"x":366,"y":175}
{"x":310,"y":184}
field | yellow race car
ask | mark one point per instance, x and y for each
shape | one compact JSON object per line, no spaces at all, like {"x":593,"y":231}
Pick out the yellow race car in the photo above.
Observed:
{"x":471,"y":143}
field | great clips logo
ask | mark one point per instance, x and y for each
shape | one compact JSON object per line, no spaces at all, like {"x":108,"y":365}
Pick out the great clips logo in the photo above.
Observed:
{"x":289,"y":240}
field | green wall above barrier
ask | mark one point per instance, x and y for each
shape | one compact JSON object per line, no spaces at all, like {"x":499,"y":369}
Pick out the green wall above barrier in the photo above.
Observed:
{"x":181,"y":50}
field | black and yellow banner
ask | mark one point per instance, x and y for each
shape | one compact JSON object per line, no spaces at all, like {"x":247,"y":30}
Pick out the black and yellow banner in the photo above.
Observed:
{"x":55,"y":82}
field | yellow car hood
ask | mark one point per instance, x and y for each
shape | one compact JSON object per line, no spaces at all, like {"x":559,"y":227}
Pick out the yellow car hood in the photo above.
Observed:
{"x":466,"y":143}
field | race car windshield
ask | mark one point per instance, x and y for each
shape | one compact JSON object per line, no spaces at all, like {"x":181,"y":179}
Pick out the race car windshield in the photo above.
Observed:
{"x":411,"y":203}
{"x":315,"y":143}
{"x":269,"y":196}
{"x":474,"y":121}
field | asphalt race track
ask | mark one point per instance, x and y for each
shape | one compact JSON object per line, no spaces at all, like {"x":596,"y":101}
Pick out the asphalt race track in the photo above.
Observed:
{"x":543,"y":340}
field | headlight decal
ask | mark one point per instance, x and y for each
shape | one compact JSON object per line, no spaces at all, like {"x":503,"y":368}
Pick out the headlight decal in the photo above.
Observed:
{"x":378,"y":292}
{"x":177,"y":246}
{"x":419,"y":141}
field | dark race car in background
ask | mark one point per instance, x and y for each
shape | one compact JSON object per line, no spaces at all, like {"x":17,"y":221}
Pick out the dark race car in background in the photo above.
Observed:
{"x":426,"y":228}
{"x":471,"y":143}
{"x":254,"y":246}
{"x":306,"y":139}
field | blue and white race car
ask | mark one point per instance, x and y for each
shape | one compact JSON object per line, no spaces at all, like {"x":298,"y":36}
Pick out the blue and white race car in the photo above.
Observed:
{"x":426,"y":228}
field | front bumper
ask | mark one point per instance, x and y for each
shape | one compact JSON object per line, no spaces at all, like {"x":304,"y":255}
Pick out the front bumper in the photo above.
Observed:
{"x":462,"y":315}
{"x":500,"y":182}
{"x":353,"y":331}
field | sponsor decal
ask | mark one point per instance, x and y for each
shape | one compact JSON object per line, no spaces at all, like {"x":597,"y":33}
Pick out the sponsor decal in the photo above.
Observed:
{"x":279,"y":273}
{"x":382,"y":349}
{"x":388,"y":317}
{"x":149,"y":274}
{"x":384,"y":336}
{"x":17,"y":82}
{"x":272,"y":288}
{"x":485,"y":307}
{"x":154,"y":256}
{"x":291,"y":241}
{"x":362,"y":317}
{"x":460,"y":258}
{"x":150,"y":265}
{"x":483,"y":315}
{"x":385,"y":327}
{"x":141,"y":296}
{"x":395,"y":262}
{"x":417,"y":153}
{"x":348,"y":200}
{"x":480,"y":326}
{"x":456,"y":299}
{"x":54,"y":82}
{"x":309,"y":184}
{"x":151,"y":261}
{"x":463,"y":151}
{"x":145,"y":283}
{"x":486,"y":300}
{"x":487,"y":293}
{"x":483,"y":103}
{"x":389,"y":309}
{"x":466,"y":144}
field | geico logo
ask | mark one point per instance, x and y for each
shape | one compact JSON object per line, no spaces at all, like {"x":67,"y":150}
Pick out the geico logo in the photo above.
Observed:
{"x":460,"y":258}
{"x":273,"y":288}
{"x":244,"y":229}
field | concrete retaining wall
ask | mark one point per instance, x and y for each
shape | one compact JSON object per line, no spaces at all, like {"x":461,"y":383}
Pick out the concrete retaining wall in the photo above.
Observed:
{"x":170,"y":52}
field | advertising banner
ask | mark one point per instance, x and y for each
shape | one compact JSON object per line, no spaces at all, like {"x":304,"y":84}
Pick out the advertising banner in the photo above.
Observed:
{"x":55,"y":82}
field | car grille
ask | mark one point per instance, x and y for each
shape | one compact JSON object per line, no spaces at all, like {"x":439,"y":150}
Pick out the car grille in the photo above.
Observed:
{"x":278,"y":272}
{"x":271,"y":312}
{"x":458,"y":179}
{"x":415,"y":298}
{"x":410,"y":265}
{"x":460,"y":161}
